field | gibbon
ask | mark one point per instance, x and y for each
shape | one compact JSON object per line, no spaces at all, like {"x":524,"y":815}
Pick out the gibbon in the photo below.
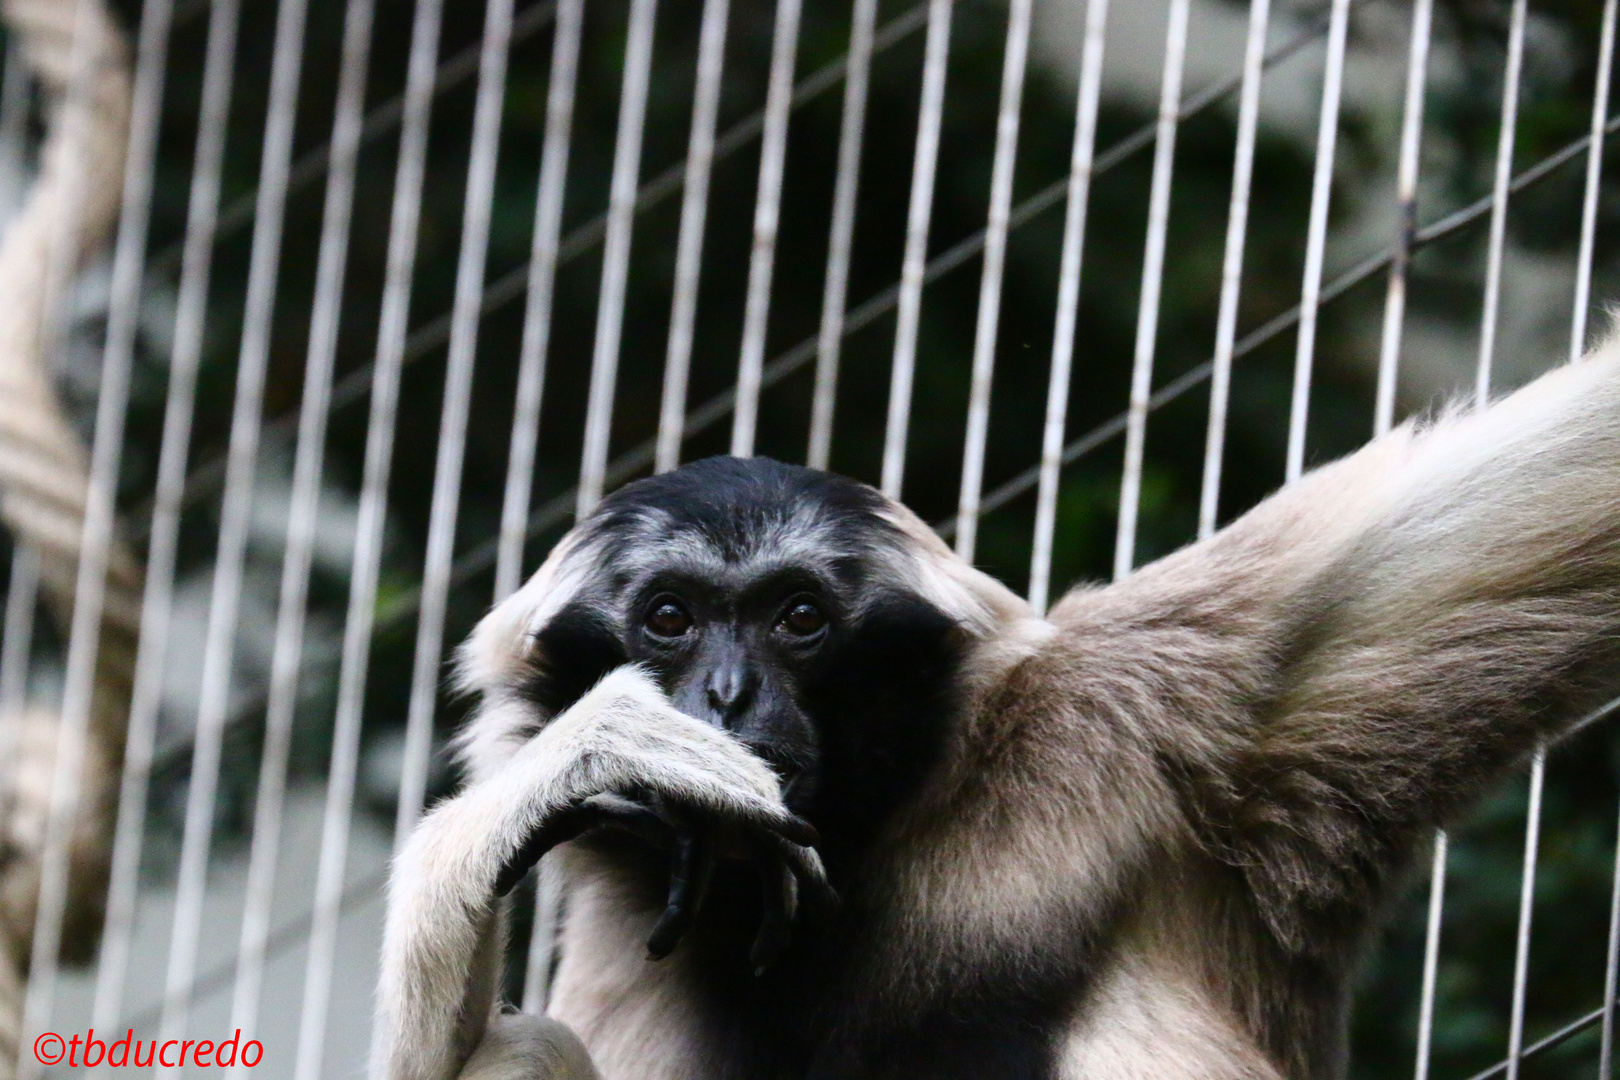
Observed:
{"x":1144,"y":838}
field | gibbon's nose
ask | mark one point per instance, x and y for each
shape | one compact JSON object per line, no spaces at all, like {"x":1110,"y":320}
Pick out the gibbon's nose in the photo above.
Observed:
{"x":730,"y":690}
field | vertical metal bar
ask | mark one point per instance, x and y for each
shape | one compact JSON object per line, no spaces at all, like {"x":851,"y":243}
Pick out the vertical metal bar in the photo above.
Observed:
{"x":767,"y":215}
{"x":930,"y":116}
{"x":1327,"y":137}
{"x":18,"y":646}
{"x":303,"y":513}
{"x":531,"y":384}
{"x":1527,"y":893}
{"x":96,"y":545}
{"x":1611,"y":976}
{"x":242,"y":462}
{"x":404,"y":229}
{"x":1594,"y":175}
{"x":1577,"y":342}
{"x":16,"y":650}
{"x":835,"y":284}
{"x":16,"y":86}
{"x":1147,"y":311}
{"x":694,"y":215}
{"x":1383,"y":418}
{"x":123,"y":318}
{"x":1081,"y":159}
{"x":22,"y":596}
{"x":453,"y":429}
{"x":1487,"y":345}
{"x":542,"y":939}
{"x":1499,"y":206}
{"x":1237,"y":230}
{"x":616,"y":252}
{"x":22,"y":599}
{"x":162,"y":547}
{"x":1482,"y":389}
{"x":1431,"y":955}
{"x":995,"y":258}
{"x":1389,"y":351}
{"x":1538,"y":769}
{"x":16,"y":633}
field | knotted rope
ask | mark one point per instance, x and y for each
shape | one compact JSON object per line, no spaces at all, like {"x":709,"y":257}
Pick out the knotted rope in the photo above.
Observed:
{"x":80,"y":59}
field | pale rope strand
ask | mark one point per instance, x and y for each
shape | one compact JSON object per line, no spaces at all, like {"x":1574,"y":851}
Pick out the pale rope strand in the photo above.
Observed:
{"x":44,"y":466}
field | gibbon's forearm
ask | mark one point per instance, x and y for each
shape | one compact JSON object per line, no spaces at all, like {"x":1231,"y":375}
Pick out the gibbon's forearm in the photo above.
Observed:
{"x":434,"y":998}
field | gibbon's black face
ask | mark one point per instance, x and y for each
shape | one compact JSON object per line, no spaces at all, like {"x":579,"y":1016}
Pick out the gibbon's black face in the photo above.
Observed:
{"x":780,"y":603}
{"x":735,"y":647}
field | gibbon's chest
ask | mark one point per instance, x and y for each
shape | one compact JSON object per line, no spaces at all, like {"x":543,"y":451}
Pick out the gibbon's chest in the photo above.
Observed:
{"x":665,"y":1031}
{"x":704,"y":1012}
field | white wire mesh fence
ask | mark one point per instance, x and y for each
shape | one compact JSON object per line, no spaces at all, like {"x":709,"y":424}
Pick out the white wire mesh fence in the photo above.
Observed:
{"x":466,"y":222}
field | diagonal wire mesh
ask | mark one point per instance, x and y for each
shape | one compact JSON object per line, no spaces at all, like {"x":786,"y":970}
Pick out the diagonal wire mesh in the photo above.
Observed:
{"x":352,"y":218}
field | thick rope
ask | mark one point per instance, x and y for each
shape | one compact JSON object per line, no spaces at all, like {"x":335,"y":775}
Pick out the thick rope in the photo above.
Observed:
{"x":80,"y":58}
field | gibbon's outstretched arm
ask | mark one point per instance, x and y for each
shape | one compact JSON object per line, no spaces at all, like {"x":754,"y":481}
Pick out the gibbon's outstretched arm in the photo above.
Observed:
{"x":1386,"y":637}
{"x":601,"y":762}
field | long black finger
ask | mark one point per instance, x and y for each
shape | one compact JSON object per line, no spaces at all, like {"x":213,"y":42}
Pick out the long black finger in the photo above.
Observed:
{"x":692,"y":868}
{"x":819,"y":900}
{"x":605,"y":809}
{"x":647,"y":821}
{"x":781,"y":896}
{"x":779,"y":821}
{"x":558,"y":828}
{"x":796,"y":829}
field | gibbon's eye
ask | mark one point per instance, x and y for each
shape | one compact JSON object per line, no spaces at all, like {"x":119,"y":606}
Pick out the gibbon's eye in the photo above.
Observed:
{"x":802,"y":619}
{"x":668,"y":618}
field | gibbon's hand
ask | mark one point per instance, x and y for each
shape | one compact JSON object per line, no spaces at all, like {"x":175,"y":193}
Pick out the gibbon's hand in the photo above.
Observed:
{"x":621,"y":756}
{"x":696,"y":836}
{"x":735,"y":811}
